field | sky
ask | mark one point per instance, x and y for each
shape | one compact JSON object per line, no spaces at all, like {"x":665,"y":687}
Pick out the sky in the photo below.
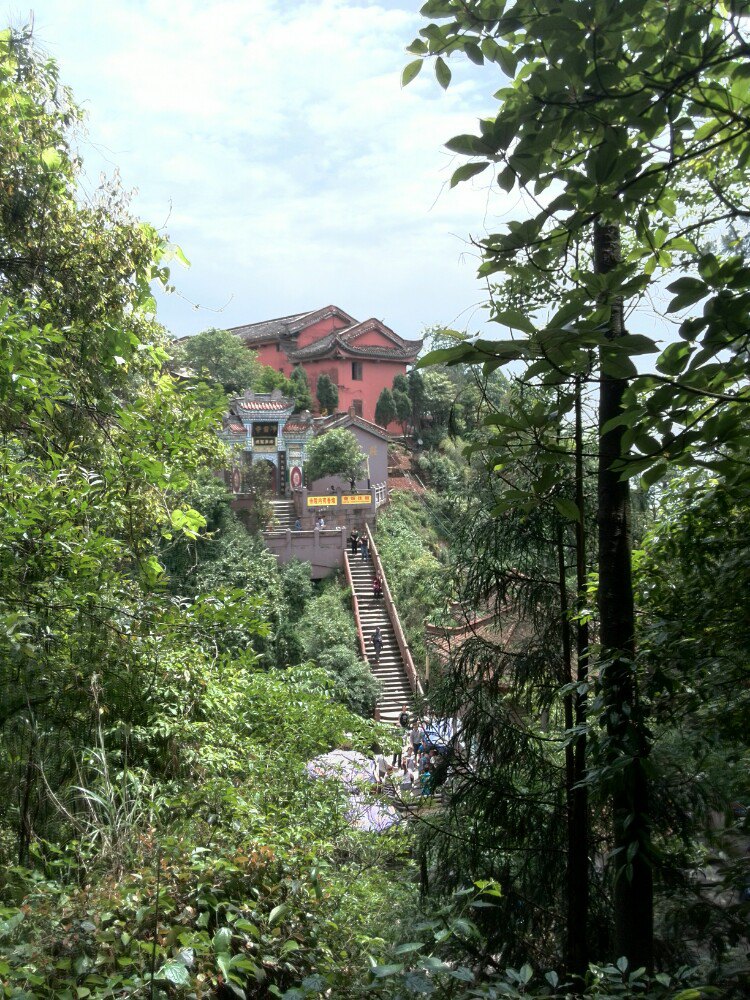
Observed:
{"x":272,"y":141}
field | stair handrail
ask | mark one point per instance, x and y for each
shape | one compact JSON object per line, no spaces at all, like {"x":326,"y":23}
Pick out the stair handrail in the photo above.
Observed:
{"x":355,"y":606}
{"x":403,"y":645}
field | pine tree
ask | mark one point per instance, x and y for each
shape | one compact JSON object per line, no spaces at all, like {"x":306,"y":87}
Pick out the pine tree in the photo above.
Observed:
{"x":327,"y":393}
{"x":385,"y":409}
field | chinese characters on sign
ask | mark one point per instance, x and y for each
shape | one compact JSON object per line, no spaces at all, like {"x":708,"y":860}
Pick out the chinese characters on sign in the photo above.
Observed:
{"x":264,"y":436}
{"x":324,"y":501}
{"x":356,"y":498}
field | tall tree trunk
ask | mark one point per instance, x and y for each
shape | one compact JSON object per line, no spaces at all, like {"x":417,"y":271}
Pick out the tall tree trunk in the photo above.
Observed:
{"x":578,"y":854}
{"x":576,"y":874}
{"x":627,"y":742}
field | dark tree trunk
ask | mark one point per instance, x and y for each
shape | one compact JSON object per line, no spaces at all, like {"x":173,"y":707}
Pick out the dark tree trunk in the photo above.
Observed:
{"x":578,"y":855}
{"x":24,"y":813}
{"x":627,"y":744}
{"x":576,"y":874}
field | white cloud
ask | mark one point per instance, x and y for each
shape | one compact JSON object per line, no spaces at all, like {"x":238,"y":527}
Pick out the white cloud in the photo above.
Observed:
{"x":298,"y":171}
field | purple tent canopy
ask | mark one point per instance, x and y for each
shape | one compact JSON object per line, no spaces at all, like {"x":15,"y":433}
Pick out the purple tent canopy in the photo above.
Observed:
{"x":348,"y":766}
{"x":371,"y":817}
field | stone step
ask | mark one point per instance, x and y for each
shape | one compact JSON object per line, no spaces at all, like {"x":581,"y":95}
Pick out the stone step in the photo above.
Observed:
{"x":388,"y":668}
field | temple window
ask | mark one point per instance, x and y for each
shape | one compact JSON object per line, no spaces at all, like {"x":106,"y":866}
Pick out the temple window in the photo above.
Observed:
{"x":356,"y":371}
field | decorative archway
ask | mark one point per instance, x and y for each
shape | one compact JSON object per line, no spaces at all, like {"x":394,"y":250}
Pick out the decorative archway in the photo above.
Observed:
{"x":268,"y":464}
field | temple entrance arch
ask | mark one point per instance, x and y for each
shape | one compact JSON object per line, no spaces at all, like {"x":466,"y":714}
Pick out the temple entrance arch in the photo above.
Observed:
{"x":267,"y":473}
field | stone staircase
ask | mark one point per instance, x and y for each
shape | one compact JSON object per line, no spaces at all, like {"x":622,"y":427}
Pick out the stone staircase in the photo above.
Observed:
{"x":389,"y":668}
{"x":284,"y":514}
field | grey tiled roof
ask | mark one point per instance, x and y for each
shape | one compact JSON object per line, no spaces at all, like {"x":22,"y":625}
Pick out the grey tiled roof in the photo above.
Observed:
{"x":347,"y":420}
{"x":284,"y":330}
{"x":268,"y":329}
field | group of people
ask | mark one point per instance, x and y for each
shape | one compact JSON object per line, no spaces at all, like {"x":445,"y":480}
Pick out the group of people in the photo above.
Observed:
{"x":415,"y":767}
{"x":359,"y":543}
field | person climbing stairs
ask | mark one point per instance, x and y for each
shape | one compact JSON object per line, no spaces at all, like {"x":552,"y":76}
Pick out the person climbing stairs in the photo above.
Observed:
{"x":388,"y":667}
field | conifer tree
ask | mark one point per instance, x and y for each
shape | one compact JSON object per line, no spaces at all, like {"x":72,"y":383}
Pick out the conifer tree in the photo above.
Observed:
{"x":385,"y":408}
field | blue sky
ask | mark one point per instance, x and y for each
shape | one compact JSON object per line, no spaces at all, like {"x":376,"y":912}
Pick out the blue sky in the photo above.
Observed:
{"x":272,"y":141}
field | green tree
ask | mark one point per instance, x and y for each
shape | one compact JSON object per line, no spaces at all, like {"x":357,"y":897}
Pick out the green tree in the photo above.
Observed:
{"x":98,"y":442}
{"x":301,"y":390}
{"x":269,"y":379}
{"x":334,"y":453}
{"x":403,"y":408}
{"x":417,"y":397}
{"x":220,"y":356}
{"x":385,"y":408}
{"x":327,"y":393}
{"x":400,"y":383}
{"x":629,"y":115}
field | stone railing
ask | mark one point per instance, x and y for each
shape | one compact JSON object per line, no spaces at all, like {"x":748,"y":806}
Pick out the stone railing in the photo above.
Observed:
{"x":403,"y":645}
{"x":322,"y":548}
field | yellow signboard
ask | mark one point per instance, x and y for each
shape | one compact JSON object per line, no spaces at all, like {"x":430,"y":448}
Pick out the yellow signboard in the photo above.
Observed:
{"x":323,"y":501}
{"x":356,"y":498}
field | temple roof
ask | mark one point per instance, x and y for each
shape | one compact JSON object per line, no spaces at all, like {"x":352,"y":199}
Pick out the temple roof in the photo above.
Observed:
{"x":285,"y":329}
{"x":269,"y":329}
{"x":266,"y":405}
{"x":336,"y":420}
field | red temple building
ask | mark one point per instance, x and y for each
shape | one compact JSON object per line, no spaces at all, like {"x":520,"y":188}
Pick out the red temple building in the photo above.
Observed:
{"x":360,"y":358}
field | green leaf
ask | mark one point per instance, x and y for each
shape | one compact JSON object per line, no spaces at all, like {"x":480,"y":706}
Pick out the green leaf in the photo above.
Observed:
{"x":410,"y":71}
{"x":637,"y":343}
{"x":506,"y":60}
{"x":174,"y":972}
{"x":383,"y":971}
{"x":507,"y":179}
{"x":648,"y":479}
{"x":515,"y":320}
{"x":277,"y":913}
{"x":616,"y":364}
{"x":674,"y":358}
{"x":222,"y":940}
{"x":404,"y":949}
{"x":567,"y":508}
{"x":466,"y":171}
{"x":442,"y":72}
{"x":468,"y":145}
{"x":688,"y":292}
{"x":51,"y":158}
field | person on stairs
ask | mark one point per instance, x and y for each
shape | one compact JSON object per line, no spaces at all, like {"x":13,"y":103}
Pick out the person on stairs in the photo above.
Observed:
{"x":377,"y":642}
{"x":377,"y":586}
{"x":354,"y":541}
{"x":364,"y":548}
{"x":403,"y":728}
